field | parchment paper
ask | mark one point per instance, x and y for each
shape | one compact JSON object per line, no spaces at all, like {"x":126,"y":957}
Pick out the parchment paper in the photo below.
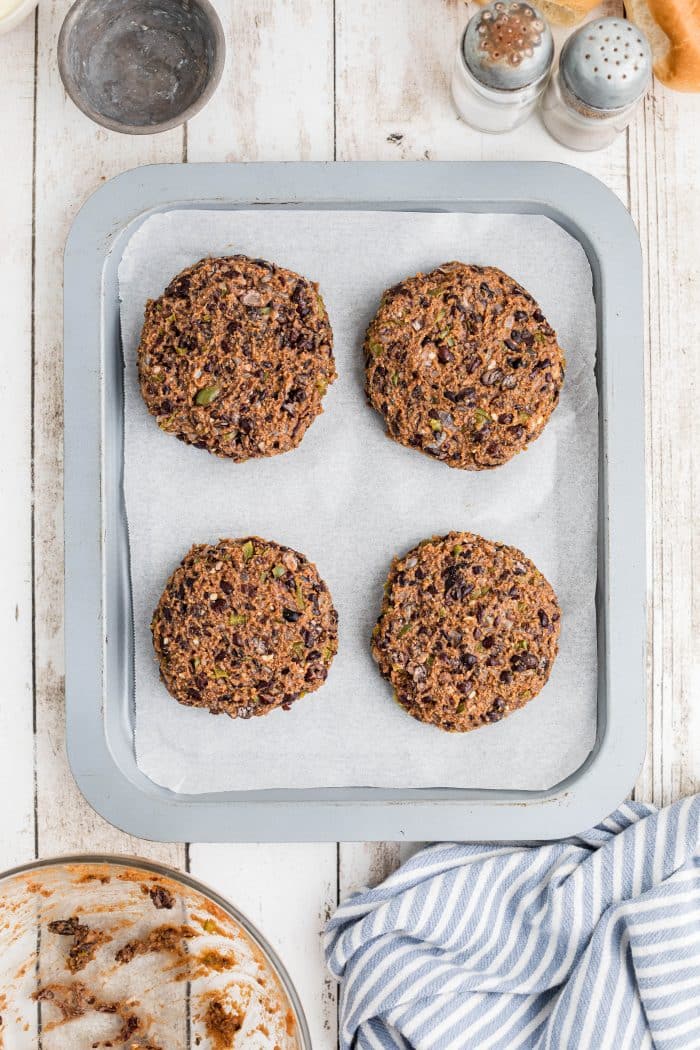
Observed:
{"x":350,"y":499}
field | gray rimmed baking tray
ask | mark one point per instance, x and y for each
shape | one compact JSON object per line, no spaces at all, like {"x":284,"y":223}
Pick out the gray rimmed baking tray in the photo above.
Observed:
{"x":98,"y":622}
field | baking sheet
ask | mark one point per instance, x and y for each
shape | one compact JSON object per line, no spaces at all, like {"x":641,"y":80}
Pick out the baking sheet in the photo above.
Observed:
{"x":349,"y":498}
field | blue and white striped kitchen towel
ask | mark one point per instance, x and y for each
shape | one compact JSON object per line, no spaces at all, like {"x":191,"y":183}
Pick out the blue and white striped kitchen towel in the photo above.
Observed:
{"x":588,"y":942}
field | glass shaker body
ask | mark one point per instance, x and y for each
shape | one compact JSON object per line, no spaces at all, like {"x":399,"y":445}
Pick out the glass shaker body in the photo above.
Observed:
{"x":502,"y":65}
{"x":578,"y":126}
{"x":603,"y":74}
{"x":491,"y":109}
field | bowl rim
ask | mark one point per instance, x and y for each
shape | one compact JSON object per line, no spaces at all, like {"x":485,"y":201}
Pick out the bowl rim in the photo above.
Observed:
{"x":156,"y":868}
{"x":70,"y":22}
{"x":17,"y":15}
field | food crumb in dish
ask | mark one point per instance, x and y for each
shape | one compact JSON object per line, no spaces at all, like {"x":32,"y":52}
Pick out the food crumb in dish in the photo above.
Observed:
{"x":86,"y":941}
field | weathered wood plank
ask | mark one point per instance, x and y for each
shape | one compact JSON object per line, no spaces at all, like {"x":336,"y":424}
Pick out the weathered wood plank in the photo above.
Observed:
{"x":365,"y":864}
{"x":16,"y":734}
{"x":664,"y":165}
{"x":73,"y":157}
{"x":276,"y":103}
{"x":275,"y":100}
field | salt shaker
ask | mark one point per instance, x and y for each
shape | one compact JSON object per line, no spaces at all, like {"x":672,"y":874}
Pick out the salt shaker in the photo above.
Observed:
{"x":503,"y":62}
{"x":604,"y":72}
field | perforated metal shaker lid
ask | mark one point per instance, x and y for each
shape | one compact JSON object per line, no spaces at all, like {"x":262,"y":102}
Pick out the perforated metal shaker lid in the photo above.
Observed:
{"x":508,"y":45}
{"x":607,"y":63}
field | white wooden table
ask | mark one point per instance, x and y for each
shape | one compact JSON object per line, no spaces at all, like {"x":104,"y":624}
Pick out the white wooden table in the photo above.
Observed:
{"x":305,"y":80}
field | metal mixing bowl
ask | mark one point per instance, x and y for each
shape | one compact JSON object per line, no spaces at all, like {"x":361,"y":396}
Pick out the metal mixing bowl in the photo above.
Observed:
{"x":115,"y":951}
{"x":141,"y":66}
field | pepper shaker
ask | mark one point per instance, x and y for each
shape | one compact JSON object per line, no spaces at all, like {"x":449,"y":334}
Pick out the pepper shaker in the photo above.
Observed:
{"x":502,"y":65}
{"x":604,"y":72}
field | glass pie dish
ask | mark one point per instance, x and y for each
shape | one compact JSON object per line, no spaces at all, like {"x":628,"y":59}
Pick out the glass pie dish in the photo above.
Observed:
{"x":99,"y":952}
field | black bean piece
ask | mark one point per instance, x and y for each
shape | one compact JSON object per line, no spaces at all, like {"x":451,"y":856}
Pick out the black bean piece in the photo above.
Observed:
{"x":65,"y":927}
{"x":544,"y":619}
{"x":444,"y":355}
{"x":456,"y":588}
{"x":505,"y":418}
{"x":506,"y":677}
{"x":290,"y":615}
{"x":524,"y":661}
{"x":219,"y":604}
{"x":489,"y":641}
{"x":179,"y":288}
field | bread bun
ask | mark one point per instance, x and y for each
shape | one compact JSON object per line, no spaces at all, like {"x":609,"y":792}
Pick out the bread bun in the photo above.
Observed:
{"x":673,"y":29}
{"x":562,"y":12}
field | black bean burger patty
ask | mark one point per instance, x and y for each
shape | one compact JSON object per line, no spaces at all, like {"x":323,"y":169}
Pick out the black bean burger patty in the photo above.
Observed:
{"x":236,"y":356}
{"x":468,"y":631}
{"x":244,"y":626}
{"x":462,"y":365}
